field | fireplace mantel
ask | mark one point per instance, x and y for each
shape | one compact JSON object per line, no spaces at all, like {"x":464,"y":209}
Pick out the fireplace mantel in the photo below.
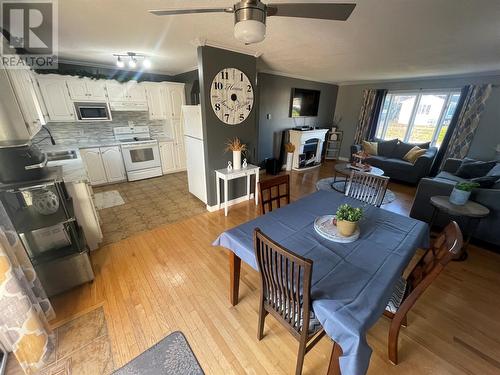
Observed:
{"x":299,"y":138}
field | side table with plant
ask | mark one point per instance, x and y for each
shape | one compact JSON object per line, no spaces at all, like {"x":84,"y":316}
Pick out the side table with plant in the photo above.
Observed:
{"x":461,"y":192}
{"x":347,"y":219}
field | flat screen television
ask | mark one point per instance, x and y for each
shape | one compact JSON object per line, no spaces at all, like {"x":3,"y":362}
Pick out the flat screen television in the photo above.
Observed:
{"x":304,"y":103}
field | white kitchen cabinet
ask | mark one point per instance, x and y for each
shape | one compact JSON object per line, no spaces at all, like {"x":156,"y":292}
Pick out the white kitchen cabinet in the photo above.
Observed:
{"x":180,"y":149}
{"x":104,"y":164}
{"x":135,"y":92}
{"x":168,"y":157}
{"x":28,"y":100}
{"x":86,"y":89}
{"x":156,"y":101}
{"x":94,"y":165}
{"x":113,"y":163}
{"x":56,"y":97}
{"x":176,"y":98}
{"x":117,"y":92}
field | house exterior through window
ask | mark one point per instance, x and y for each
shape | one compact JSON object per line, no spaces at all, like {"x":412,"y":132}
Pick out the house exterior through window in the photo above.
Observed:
{"x":417,"y":116}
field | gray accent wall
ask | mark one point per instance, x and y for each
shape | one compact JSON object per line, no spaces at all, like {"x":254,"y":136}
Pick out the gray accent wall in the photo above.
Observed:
{"x":188,"y":79}
{"x":487,"y":134}
{"x":210,"y":61}
{"x":274,"y":102}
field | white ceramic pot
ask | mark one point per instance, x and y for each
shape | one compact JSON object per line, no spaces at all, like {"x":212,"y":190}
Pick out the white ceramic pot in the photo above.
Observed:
{"x":289,"y":160}
{"x":236,"y":160}
{"x":45,"y":202}
{"x":459,"y":197}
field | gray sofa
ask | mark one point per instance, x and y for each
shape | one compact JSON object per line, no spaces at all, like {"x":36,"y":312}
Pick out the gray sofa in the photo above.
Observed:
{"x":390,"y":160}
{"x":489,"y":227}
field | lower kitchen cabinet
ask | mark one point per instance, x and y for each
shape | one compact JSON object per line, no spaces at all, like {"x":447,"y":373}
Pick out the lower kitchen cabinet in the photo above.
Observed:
{"x":113,"y":163}
{"x":173,"y":157}
{"x":104,"y":164}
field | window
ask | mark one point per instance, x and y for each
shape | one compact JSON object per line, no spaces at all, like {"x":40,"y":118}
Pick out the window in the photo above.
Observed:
{"x":417,"y":117}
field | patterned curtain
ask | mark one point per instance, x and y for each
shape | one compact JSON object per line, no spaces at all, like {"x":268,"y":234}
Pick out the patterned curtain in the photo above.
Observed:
{"x":24,"y":306}
{"x":462,"y":134}
{"x":366,"y":115}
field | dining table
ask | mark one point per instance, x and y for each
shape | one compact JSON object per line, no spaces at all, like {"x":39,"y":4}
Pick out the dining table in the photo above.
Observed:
{"x":351,"y":282}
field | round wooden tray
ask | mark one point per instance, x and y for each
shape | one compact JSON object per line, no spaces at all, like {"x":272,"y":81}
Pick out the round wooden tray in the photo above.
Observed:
{"x":323,"y":225}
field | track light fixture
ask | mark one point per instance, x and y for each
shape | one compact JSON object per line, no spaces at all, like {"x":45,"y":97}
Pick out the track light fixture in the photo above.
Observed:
{"x":132,"y":59}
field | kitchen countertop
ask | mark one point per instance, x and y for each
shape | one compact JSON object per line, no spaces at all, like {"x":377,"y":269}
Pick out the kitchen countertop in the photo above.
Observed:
{"x":73,"y":170}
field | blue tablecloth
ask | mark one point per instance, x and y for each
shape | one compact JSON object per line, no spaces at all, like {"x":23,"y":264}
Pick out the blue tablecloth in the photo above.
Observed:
{"x":351,"y":283}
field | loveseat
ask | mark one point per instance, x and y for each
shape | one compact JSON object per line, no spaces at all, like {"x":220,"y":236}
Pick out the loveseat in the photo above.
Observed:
{"x":390,"y":155}
{"x":489,"y":227}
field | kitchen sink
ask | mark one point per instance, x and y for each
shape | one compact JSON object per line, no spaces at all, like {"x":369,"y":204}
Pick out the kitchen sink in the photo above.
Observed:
{"x":62,"y":155}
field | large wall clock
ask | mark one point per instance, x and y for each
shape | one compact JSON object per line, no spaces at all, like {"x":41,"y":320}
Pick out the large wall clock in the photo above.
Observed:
{"x":232,"y":96}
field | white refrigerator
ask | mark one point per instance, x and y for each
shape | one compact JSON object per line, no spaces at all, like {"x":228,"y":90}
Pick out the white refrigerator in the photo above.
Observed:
{"x":195,"y":151}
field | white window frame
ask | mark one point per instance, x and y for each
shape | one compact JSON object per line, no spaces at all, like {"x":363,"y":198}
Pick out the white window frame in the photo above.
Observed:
{"x":411,"y":123}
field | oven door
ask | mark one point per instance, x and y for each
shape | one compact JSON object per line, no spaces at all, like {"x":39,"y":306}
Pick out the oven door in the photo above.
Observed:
{"x":141,"y":156}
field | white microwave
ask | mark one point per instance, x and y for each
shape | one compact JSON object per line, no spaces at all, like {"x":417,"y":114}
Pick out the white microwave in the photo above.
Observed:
{"x":86,"y":111}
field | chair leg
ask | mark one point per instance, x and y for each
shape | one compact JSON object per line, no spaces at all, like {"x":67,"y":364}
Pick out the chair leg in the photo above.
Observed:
{"x":404,"y":322}
{"x":300,"y":355}
{"x":262,"y":318}
{"x":393,"y":340}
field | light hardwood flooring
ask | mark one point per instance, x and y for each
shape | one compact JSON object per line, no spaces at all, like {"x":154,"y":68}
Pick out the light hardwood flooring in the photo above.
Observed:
{"x":171,"y":278}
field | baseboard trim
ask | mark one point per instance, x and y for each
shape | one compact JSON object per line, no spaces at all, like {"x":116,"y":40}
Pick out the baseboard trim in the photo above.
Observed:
{"x":230,"y":203}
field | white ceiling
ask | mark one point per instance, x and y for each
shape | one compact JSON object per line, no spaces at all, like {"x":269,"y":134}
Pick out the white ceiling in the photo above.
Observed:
{"x":383,"y":39}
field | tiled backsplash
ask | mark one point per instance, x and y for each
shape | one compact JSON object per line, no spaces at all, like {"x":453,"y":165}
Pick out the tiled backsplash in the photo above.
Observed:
{"x":81,"y":134}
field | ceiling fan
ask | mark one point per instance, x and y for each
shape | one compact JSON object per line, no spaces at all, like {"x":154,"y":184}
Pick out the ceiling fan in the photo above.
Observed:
{"x":250,"y":15}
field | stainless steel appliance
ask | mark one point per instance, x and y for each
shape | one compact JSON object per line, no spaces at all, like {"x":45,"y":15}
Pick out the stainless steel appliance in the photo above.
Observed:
{"x":43,"y":216}
{"x":141,"y":154}
{"x":87,"y":111}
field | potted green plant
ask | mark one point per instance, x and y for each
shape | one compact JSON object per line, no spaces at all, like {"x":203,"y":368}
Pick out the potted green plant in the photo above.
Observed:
{"x":237,"y":148}
{"x":461,"y":192}
{"x":347,"y":219}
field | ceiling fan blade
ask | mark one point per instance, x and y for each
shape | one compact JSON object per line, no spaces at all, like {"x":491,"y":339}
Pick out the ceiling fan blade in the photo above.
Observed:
{"x":171,"y":12}
{"x":338,"y":12}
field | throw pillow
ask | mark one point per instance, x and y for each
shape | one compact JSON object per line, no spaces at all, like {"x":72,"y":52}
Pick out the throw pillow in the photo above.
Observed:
{"x":385,"y":148}
{"x":414,"y":154}
{"x":495,"y":171}
{"x":402,"y":148}
{"x":474,"y":168}
{"x":486,"y":182}
{"x":370,"y":147}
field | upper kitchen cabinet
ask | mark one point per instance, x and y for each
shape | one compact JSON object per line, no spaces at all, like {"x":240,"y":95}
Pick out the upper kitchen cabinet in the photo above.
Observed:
{"x":165,"y":100}
{"x":86,"y":89}
{"x":156,"y":101}
{"x":56,"y":97}
{"x":176,"y":98}
{"x":28,"y":98}
{"x":125,"y":92}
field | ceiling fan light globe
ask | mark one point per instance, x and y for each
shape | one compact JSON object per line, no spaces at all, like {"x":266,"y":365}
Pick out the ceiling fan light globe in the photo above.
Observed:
{"x":250,"y":31}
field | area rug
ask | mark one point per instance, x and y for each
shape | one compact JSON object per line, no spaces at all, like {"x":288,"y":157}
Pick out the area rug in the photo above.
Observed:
{"x":171,"y":356}
{"x":328,"y":184}
{"x":107,"y":199}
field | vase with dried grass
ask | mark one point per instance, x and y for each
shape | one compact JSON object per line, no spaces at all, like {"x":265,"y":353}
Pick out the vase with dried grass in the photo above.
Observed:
{"x":290,"y":149}
{"x":237,"y":148}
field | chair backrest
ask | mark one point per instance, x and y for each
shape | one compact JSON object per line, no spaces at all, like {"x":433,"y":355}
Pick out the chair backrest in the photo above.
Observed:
{"x":266,"y":188}
{"x":367,"y":187}
{"x":443,"y":249}
{"x":285,"y":282}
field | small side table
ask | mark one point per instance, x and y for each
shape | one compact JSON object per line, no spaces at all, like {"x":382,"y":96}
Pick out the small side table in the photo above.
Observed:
{"x":473,"y":211}
{"x":226,"y":175}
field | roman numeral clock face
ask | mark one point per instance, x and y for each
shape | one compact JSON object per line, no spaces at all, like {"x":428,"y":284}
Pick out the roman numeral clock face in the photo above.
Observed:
{"x":232,"y":96}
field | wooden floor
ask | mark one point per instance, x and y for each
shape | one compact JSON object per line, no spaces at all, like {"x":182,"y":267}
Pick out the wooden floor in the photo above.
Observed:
{"x":171,"y":279}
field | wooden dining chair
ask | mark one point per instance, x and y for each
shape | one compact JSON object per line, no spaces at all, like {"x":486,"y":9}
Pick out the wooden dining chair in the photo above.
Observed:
{"x":281,"y":184}
{"x":285,"y":293}
{"x":444,"y":248}
{"x":367,"y":187}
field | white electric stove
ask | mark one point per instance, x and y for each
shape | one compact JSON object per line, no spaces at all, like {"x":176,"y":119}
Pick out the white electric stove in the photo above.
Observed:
{"x":141,"y":153}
